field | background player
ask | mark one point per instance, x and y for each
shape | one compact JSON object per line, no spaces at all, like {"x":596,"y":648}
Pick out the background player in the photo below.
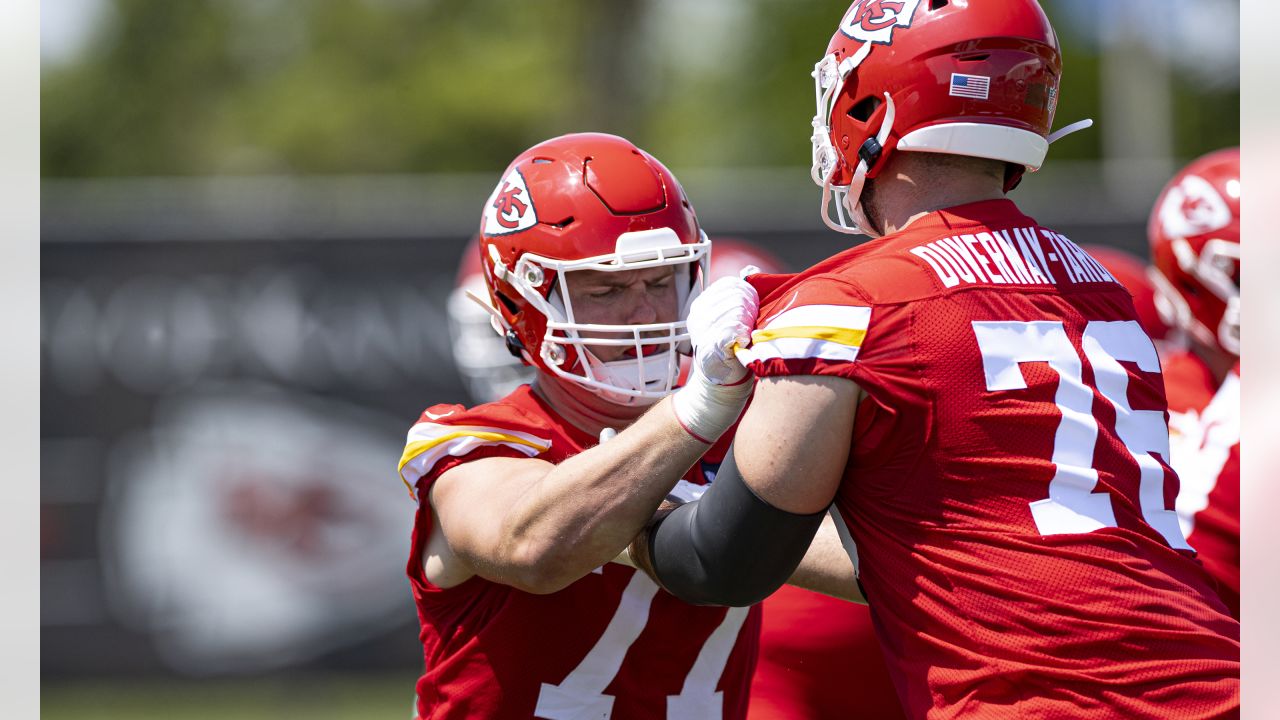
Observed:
{"x":1195,"y":245}
{"x":488,"y":369}
{"x":975,"y":394}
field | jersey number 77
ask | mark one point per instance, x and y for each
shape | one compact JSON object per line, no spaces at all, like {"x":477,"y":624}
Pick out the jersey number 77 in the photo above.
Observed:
{"x":1072,"y":505}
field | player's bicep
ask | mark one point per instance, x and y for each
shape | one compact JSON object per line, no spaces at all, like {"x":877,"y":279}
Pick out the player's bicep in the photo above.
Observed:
{"x":793,"y":442}
{"x":469,"y":504}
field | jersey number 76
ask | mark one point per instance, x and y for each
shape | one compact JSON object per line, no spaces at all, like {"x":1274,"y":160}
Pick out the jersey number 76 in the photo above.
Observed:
{"x":1072,"y":505}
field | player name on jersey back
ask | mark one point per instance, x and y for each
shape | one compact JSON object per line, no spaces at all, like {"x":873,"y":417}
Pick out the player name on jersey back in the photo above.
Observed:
{"x":1012,"y":256}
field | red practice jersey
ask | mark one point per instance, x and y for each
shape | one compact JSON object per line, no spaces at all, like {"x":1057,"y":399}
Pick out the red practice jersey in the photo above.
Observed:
{"x":1204,"y":435}
{"x":819,"y":659}
{"x":1008,"y":494}
{"x":611,"y":645}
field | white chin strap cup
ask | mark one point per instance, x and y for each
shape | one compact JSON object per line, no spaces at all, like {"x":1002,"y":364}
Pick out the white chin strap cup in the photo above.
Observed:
{"x":638,"y":382}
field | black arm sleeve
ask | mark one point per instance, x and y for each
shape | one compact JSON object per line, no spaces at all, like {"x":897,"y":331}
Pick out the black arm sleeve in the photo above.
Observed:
{"x":729,"y":547}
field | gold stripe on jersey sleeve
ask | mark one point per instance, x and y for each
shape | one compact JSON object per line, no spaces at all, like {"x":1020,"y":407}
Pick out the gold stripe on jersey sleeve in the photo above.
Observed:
{"x":841,"y":336}
{"x":414,"y":449}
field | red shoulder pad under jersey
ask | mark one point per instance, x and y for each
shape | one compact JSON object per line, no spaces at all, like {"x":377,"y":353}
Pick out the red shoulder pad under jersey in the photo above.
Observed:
{"x":453,"y":431}
{"x":808,"y":325}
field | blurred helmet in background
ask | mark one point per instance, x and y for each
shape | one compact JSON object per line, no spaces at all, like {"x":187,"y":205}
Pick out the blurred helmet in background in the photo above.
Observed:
{"x":1194,"y":233}
{"x":589,"y":201}
{"x":730,"y":255}
{"x":978,"y":79}
{"x":487,"y":368}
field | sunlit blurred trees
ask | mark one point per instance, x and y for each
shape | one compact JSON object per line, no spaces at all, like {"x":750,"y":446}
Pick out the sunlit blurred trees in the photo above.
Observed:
{"x":208,"y":86}
{"x":378,"y":86}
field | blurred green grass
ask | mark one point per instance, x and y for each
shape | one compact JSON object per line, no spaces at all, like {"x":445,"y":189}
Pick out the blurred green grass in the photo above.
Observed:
{"x":323,"y":697}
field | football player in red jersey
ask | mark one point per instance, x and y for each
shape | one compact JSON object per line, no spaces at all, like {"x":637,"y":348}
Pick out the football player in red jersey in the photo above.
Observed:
{"x":972,"y":391}
{"x":590,"y":252}
{"x":1195,"y":245}
{"x":818,"y":656}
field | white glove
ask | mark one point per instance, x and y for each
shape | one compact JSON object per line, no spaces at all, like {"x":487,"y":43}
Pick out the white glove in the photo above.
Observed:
{"x":719,"y":320}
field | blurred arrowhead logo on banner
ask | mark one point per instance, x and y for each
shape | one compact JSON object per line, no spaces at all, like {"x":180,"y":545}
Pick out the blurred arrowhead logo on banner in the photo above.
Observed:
{"x":254,"y":529}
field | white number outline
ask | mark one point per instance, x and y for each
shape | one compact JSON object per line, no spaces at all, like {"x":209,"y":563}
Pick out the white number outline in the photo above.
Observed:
{"x":1072,"y":506}
{"x":581,"y":694}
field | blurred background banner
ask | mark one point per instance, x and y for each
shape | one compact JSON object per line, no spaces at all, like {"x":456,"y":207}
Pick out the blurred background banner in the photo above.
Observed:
{"x":252,"y":215}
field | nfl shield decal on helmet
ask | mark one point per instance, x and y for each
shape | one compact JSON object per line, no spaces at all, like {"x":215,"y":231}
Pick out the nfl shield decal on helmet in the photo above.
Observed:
{"x":873,"y":21}
{"x":1193,"y":208}
{"x":510,"y":208}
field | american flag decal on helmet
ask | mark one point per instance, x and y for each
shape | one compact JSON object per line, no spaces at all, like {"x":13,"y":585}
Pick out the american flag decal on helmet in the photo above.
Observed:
{"x":977,"y":87}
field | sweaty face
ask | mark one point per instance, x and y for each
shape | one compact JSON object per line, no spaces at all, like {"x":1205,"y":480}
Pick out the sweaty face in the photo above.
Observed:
{"x":633,"y":297}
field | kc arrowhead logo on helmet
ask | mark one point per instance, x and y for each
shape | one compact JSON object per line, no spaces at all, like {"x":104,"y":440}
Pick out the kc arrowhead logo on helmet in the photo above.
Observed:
{"x":873,"y":21}
{"x":510,"y":208}
{"x":1193,"y":207}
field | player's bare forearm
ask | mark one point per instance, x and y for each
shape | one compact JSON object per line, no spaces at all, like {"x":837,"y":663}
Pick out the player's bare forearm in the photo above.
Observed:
{"x":826,"y":567}
{"x":584,"y":511}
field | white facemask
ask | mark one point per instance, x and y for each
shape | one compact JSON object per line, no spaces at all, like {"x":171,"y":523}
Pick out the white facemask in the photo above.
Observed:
{"x":655,"y":368}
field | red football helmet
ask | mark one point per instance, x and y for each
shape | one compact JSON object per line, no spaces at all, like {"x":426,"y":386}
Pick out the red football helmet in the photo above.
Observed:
{"x":1195,"y":245}
{"x":961,"y":77}
{"x":1154,"y":316}
{"x":589,"y":202}
{"x":487,"y":369}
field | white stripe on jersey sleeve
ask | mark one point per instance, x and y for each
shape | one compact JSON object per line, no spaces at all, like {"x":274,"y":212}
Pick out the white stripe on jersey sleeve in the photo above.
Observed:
{"x":827,"y":332}
{"x":849,"y":317}
{"x":428,"y":443}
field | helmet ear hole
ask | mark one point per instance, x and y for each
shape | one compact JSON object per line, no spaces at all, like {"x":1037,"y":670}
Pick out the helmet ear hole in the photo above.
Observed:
{"x":507,"y":302}
{"x":938,"y":4}
{"x":865,"y":108}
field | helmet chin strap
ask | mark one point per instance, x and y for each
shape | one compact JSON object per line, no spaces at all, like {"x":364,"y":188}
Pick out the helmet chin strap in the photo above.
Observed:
{"x":850,"y":198}
{"x":631,"y":374}
{"x":824,"y":209}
